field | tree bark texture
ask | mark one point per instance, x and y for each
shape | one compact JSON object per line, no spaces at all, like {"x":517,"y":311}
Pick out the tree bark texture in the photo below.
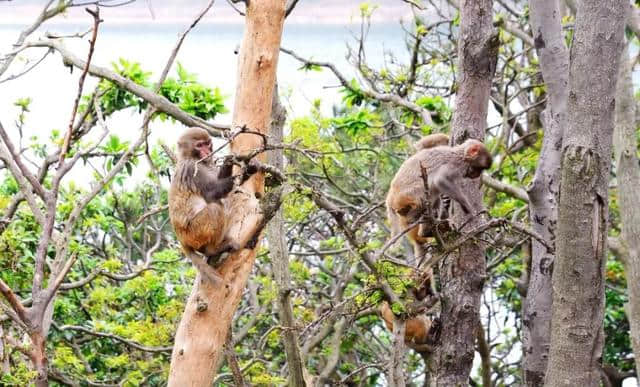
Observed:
{"x":398,"y":352}
{"x":578,"y":277}
{"x":280,"y":260}
{"x":628,"y":177}
{"x":543,"y":193}
{"x":463,"y":274}
{"x":39,"y":359}
{"x":484,"y":350}
{"x":210,"y":308}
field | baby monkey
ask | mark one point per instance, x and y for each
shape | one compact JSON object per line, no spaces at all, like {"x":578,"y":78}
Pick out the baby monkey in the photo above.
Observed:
{"x":445,"y":166}
{"x":197,"y":205}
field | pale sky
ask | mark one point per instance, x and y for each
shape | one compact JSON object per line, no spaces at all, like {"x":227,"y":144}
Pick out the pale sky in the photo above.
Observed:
{"x":306,"y":11}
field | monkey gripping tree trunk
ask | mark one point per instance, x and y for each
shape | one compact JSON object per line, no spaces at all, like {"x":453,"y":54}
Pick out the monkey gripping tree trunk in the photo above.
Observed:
{"x":463,"y":274}
{"x":209,"y":311}
{"x":578,"y":273}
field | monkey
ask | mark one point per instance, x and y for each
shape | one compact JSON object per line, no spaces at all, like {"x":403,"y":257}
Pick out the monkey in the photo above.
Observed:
{"x":418,"y":330}
{"x":197,"y":208}
{"x":430,"y":141}
{"x":445,"y":167}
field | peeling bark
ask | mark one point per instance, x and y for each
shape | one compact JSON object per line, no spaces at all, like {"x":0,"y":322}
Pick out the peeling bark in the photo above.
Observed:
{"x":463,"y":274}
{"x":543,"y":193}
{"x":209,"y":311}
{"x":578,"y":277}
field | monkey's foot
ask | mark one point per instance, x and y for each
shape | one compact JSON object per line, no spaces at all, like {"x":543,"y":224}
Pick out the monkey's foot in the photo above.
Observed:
{"x":207,"y":272}
{"x":218,"y":259}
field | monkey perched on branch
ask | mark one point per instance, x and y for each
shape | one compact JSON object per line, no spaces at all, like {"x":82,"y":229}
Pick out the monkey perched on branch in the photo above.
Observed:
{"x":416,"y":329}
{"x":419,"y":330}
{"x":199,"y":211}
{"x":409,"y":199}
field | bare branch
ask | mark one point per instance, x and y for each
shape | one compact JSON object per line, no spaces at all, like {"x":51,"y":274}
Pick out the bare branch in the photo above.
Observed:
{"x":25,"y":187}
{"x":414,"y":3}
{"x":497,"y":185}
{"x":383,"y":97}
{"x":232,"y":362}
{"x":23,"y":72}
{"x":290,"y":7}
{"x":120,"y":339}
{"x":17,"y":162}
{"x":85,"y":70}
{"x":15,"y":303}
{"x":45,"y":14}
{"x":178,"y":44}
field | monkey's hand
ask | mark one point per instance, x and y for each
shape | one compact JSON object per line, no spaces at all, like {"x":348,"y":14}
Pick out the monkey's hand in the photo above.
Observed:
{"x":249,"y":170}
{"x":228,"y":160}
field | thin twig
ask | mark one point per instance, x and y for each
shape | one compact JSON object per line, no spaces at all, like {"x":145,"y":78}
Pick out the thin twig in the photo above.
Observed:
{"x":128,"y":342}
{"x":85,"y":71}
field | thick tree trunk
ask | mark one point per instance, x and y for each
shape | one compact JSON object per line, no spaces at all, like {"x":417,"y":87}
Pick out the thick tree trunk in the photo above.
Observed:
{"x":578,"y":277}
{"x":39,"y":359}
{"x":209,"y":311}
{"x":543,"y":193}
{"x":280,"y":257}
{"x":628,"y":176}
{"x":463,"y":275}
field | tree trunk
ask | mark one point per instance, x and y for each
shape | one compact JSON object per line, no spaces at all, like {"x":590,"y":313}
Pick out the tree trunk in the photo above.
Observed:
{"x":280,"y":257}
{"x":628,"y":176}
{"x":578,"y":278}
{"x":463,"y":274}
{"x":209,"y":311}
{"x":543,"y":192}
{"x":398,"y":352}
{"x":39,"y":359}
{"x":484,"y":350}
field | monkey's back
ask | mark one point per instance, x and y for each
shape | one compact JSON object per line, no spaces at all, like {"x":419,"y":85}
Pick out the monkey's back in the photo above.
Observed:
{"x":195,"y":222}
{"x":416,"y":329}
{"x":407,"y":186}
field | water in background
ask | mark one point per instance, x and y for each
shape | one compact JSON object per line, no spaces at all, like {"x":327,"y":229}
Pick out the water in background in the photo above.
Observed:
{"x":208,"y":51}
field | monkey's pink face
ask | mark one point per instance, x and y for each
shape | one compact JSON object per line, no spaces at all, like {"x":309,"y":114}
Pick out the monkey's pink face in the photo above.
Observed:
{"x":203,"y":148}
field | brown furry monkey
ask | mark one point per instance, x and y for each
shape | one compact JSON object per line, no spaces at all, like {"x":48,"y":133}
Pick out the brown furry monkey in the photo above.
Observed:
{"x":445,"y":167}
{"x":417,"y":329}
{"x":198,"y":211}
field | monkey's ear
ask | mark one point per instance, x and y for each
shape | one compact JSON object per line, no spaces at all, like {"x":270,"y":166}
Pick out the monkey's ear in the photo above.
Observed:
{"x":473,"y":150}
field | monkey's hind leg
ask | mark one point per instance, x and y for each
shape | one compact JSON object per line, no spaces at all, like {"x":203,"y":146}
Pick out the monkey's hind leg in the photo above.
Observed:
{"x":204,"y":269}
